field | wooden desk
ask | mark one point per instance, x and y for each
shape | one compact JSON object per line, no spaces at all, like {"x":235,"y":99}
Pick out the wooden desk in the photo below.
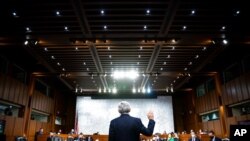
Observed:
{"x":182,"y":137}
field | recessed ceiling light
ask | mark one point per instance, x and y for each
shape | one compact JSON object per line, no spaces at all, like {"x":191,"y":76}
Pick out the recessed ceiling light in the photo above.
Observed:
{"x":58,"y":64}
{"x":111,"y":63}
{"x":84,"y":63}
{"x":185,"y":69}
{"x":168,"y":56}
{"x":193,"y":12}
{"x":173,"y":48}
{"x":27,"y":29}
{"x":238,"y":12}
{"x":225,"y":42}
{"x":138,"y":63}
{"x":53,"y":57}
{"x":197,"y":56}
{"x":76,"y":48}
{"x":139,"y":56}
{"x":190,"y":63}
{"x":105,"y":27}
{"x":110,"y":56}
{"x":14,"y":14}
{"x":45,"y":49}
{"x":145,"y":27}
{"x":26,"y":42}
{"x":204,"y":48}
{"x":141,"y":48}
{"x":165,"y":63}
{"x":66,"y":28}
{"x":161,"y":68}
{"x":58,"y":13}
{"x":87,"y":69}
{"x":173,"y":40}
{"x":63,"y":69}
{"x":223,"y":27}
{"x":108,"y":48}
{"x":147,"y":11}
{"x":184,"y":27}
{"x":102,"y":12}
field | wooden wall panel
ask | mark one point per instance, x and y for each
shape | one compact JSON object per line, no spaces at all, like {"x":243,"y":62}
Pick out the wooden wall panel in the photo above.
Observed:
{"x":9,"y":127}
{"x":2,"y":84}
{"x":18,"y":127}
{"x":217,"y":127}
{"x":16,"y":92}
{"x":238,"y":89}
{"x":12,"y":89}
{"x":25,"y":95}
{"x":248,"y":84}
{"x":244,"y":87}
{"x":6,"y":89}
{"x":32,"y":128}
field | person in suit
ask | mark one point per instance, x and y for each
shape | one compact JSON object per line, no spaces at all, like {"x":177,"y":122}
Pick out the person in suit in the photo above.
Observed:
{"x":193,"y":137}
{"x":40,"y":132}
{"x":128,"y":128}
{"x":213,"y":137}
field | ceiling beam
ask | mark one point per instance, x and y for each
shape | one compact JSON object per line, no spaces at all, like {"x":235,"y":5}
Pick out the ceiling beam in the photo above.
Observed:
{"x":41,"y":60}
{"x":169,"y":17}
{"x":98,"y":64}
{"x":151,"y":63}
{"x":81,"y":16}
{"x":203,"y":63}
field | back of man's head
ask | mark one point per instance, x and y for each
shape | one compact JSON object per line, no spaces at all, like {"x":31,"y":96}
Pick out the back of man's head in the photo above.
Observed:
{"x":124,"y":107}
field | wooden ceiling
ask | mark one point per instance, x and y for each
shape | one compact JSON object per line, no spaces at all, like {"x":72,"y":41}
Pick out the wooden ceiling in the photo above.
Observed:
{"x":85,"y":41}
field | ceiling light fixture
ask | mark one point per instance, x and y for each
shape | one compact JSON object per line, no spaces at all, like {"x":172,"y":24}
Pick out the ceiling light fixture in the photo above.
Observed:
{"x":225,"y":42}
{"x":132,"y":74}
{"x":58,"y":13}
{"x":66,"y":28}
{"x":145,"y":27}
{"x":193,"y":12}
{"x":102,"y":12}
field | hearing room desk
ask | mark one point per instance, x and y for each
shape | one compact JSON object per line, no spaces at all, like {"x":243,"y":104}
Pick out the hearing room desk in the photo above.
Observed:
{"x":183,"y":137}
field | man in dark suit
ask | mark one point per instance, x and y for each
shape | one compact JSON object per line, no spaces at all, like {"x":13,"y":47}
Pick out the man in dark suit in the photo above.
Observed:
{"x":213,"y":137}
{"x":128,"y":128}
{"x":193,"y":137}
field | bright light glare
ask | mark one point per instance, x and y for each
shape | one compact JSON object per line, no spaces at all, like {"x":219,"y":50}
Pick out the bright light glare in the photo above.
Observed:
{"x":148,"y":90}
{"x":134,"y":90}
{"x":125,"y":74}
{"x":114,"y":90}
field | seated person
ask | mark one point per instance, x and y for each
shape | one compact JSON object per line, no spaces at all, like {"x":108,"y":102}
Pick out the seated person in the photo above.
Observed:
{"x":81,"y":137}
{"x":213,"y":137}
{"x":171,"y":137}
{"x":194,"y":137}
{"x":72,"y":131}
{"x":40,"y":132}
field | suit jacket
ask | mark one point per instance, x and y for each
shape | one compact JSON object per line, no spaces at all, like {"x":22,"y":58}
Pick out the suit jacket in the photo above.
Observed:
{"x":196,"y":139}
{"x":216,"y":139}
{"x":127,"y":128}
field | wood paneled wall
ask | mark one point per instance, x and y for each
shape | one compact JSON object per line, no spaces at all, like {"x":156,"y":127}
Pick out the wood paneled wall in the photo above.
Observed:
{"x":12,"y":90}
{"x":236,"y":90}
{"x":207,"y":102}
{"x":13,"y":127}
{"x":15,"y":92}
{"x":42,"y":102}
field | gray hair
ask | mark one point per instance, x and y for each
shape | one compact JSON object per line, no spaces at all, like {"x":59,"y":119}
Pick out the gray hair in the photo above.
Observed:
{"x":124,"y":107}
